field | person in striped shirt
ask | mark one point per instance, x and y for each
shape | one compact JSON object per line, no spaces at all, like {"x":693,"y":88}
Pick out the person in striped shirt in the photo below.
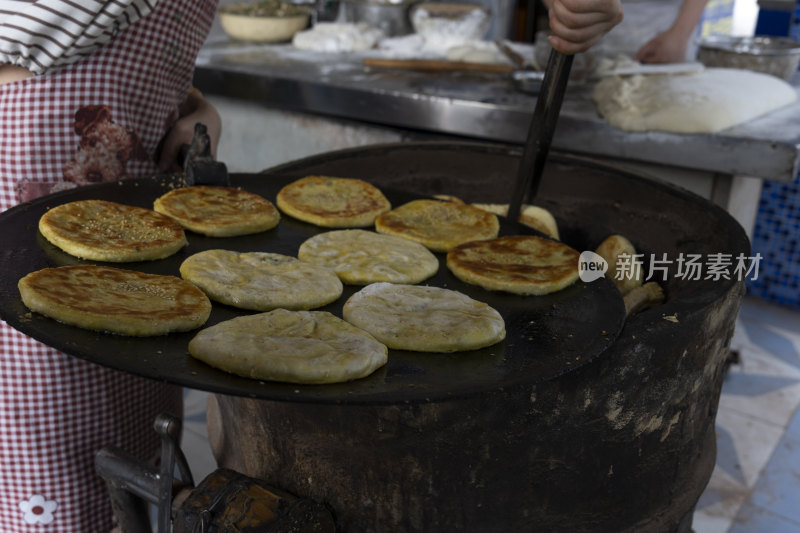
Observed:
{"x":89,"y":91}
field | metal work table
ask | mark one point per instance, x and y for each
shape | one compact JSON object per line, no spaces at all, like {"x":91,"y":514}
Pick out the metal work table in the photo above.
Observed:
{"x":489,"y":107}
{"x":485,"y":107}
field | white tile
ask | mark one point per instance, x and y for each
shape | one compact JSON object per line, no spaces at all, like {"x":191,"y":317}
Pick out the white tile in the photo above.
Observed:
{"x":719,"y":504}
{"x":704,"y":522}
{"x":757,"y":310}
{"x":769,"y":338}
{"x":194,"y":442}
{"x":778,"y":488}
{"x":744,"y":445}
{"x":194,"y":402}
{"x":755,"y":519}
{"x":762,"y":386}
{"x":198,"y":455}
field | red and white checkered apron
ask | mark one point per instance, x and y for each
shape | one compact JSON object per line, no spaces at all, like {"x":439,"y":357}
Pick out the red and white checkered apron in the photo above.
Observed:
{"x":98,"y":119}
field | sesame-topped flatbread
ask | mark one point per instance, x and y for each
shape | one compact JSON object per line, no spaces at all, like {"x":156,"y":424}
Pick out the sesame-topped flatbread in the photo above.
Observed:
{"x":218,"y":211}
{"x":424,"y":319}
{"x":261,"y":281}
{"x":361,"y":257}
{"x":333,"y":202}
{"x":115,"y":300}
{"x":309,"y":347}
{"x":107,"y":231}
{"x":521,"y":264}
{"x":438,"y":225}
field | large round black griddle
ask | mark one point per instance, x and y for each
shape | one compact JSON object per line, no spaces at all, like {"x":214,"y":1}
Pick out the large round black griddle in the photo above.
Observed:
{"x":547,"y":336}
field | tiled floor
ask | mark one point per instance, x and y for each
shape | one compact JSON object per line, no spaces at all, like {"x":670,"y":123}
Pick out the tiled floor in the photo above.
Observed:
{"x":755,"y":487}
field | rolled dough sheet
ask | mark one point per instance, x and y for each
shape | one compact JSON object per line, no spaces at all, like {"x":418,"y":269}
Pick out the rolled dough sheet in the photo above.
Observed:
{"x":707,"y":101}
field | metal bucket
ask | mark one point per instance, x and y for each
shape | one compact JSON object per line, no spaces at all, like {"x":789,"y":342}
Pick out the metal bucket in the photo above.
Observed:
{"x":390,"y":17}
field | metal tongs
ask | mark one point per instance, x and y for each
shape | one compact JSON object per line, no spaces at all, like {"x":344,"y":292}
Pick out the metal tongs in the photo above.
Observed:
{"x":540,"y":134}
{"x":199,"y":167}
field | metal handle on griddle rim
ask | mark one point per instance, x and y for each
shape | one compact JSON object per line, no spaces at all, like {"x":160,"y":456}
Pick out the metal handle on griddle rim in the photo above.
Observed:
{"x":540,"y":133}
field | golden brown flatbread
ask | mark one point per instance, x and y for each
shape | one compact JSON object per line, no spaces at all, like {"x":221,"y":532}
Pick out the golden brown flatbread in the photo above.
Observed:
{"x":115,"y":300}
{"x":521,"y":264}
{"x":438,"y":225}
{"x":218,"y":211}
{"x":309,"y":347}
{"x":107,"y":231}
{"x":624,"y":265}
{"x":333,"y":202}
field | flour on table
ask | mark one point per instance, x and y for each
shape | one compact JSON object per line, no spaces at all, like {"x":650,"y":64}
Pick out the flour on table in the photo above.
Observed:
{"x":338,"y":37}
{"x":476,"y":52}
{"x":459,"y":39}
{"x":701,"y":102}
{"x":420,"y":46}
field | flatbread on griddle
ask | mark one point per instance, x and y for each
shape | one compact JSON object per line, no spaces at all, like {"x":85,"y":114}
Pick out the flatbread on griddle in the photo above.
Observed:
{"x":115,"y":300}
{"x":438,"y":225}
{"x":360,"y":257}
{"x":310,"y":347}
{"x":107,"y":231}
{"x":218,"y":211}
{"x":532,"y":216}
{"x":332,"y":202}
{"x":521,"y":264}
{"x":624,"y":265}
{"x":261,"y":281}
{"x":424,"y":319}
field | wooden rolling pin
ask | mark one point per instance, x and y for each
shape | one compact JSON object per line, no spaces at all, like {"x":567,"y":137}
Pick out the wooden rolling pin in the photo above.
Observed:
{"x":437,"y":65}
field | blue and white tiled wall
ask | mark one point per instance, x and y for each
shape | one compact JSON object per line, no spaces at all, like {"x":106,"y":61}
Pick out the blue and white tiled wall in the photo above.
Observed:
{"x":777,"y":238}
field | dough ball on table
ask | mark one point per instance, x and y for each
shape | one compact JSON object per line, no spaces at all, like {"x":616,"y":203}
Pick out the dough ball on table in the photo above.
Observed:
{"x":707,"y":101}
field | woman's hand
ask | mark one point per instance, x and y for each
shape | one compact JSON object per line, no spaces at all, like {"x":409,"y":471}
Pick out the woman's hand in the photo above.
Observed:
{"x":193,"y":110}
{"x":577,"y":25}
{"x":666,"y":47}
{"x":670,"y":45}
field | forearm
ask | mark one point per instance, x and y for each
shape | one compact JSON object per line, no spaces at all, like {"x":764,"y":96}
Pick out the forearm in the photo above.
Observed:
{"x":688,"y":17}
{"x":11,"y":73}
{"x":195,"y":108}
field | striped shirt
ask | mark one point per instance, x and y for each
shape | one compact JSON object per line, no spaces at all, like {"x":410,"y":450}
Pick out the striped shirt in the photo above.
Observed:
{"x":40,"y":34}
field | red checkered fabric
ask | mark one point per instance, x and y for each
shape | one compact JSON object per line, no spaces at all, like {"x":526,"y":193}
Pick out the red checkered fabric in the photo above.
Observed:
{"x":100,"y":118}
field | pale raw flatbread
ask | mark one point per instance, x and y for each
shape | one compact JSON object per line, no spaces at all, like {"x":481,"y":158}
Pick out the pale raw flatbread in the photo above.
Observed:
{"x":108,"y":231}
{"x":310,"y":347}
{"x":261,"y":281}
{"x":521,"y":264}
{"x":218,"y":211}
{"x":438,"y":225}
{"x":424,"y":319}
{"x":361,"y":257}
{"x":332,"y":202}
{"x":115,"y":300}
{"x":707,"y":101}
